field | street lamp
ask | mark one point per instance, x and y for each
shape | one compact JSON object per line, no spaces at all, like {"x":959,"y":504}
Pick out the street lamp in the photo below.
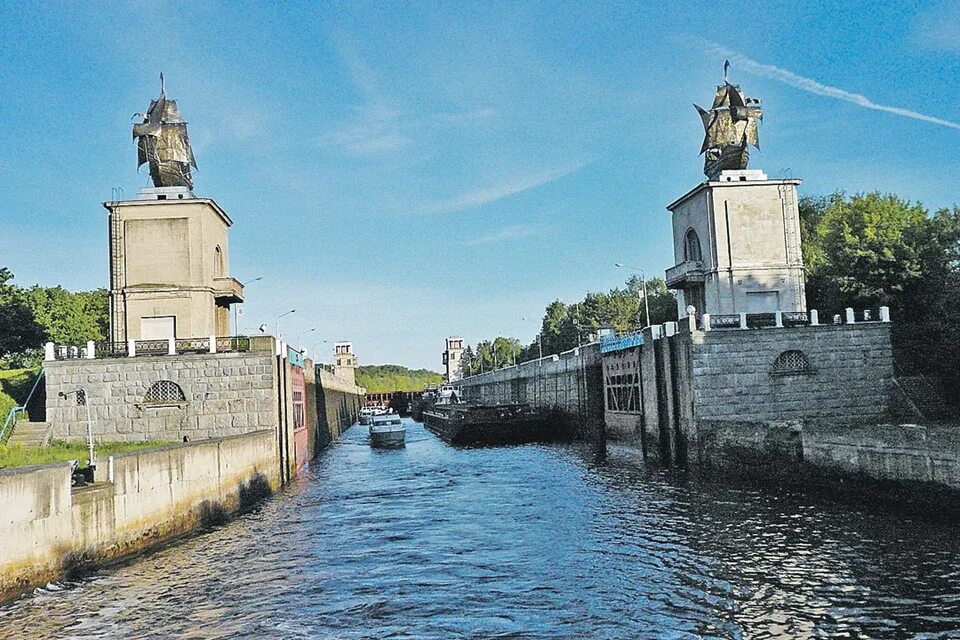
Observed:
{"x":303,"y":334}
{"x":278,"y":320}
{"x":236,"y":308}
{"x":316,"y":348}
{"x":643,"y":281}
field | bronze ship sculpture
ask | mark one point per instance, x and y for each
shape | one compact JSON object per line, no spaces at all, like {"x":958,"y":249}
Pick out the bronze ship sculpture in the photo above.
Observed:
{"x":162,"y":142}
{"x":730,"y":127}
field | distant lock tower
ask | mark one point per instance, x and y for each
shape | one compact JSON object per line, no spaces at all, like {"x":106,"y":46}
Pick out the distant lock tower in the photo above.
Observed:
{"x":736,"y":237}
{"x":453,"y":358}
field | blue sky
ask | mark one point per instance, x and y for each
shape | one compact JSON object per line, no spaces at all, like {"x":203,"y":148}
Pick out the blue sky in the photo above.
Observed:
{"x":403,"y":172}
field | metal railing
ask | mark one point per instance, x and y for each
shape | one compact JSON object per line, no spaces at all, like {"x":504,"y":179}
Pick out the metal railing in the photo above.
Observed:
{"x":11,"y":418}
{"x":161,"y":347}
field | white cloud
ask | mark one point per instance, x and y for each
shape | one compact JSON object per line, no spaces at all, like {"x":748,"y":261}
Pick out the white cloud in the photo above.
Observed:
{"x":486,"y":195}
{"x":740,"y":61}
{"x":512,"y":232}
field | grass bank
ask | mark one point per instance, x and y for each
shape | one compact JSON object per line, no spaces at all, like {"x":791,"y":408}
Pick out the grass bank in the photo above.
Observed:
{"x":14,"y":386}
{"x":20,"y":456}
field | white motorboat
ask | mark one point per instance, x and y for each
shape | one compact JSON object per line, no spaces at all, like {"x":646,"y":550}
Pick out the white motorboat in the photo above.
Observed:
{"x":387,"y":430}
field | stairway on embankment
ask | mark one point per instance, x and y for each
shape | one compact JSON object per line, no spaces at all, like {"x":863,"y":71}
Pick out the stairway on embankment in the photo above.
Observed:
{"x":30,"y":434}
{"x":918,"y":397}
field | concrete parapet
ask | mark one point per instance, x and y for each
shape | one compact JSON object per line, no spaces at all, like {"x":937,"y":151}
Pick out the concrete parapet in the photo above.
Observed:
{"x":139,"y":499}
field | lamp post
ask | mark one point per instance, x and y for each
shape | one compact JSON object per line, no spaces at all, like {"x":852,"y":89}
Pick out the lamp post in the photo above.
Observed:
{"x":643,"y":281}
{"x":316,"y":347}
{"x":278,"y":321}
{"x":236,"y":319}
{"x":303,"y":334}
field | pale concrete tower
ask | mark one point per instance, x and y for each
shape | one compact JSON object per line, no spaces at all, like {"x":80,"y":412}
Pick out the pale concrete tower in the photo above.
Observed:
{"x":345,"y":362}
{"x":169,"y":267}
{"x":453,"y":358}
{"x":736,"y":244}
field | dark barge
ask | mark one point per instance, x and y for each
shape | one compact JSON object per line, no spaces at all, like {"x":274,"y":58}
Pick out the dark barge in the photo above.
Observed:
{"x":470,"y":424}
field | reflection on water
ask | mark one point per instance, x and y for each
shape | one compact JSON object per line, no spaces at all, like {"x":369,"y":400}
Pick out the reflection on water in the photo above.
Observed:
{"x":521,"y":542}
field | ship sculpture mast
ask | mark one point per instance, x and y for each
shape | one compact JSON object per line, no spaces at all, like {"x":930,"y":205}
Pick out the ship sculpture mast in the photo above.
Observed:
{"x":162,"y":142}
{"x":730,"y":127}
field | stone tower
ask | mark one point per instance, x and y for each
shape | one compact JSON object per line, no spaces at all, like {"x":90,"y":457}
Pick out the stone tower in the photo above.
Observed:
{"x":168,"y":248}
{"x":453,"y":358}
{"x":345,"y":362}
{"x":736,"y":237}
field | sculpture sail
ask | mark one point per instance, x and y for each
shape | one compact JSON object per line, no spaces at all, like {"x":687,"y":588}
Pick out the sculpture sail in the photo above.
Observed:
{"x":730,"y":127}
{"x":163,"y":143}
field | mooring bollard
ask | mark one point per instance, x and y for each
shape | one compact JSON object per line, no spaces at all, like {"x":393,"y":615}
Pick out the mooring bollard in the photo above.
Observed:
{"x":884,"y":314}
{"x":851,"y":319}
{"x":91,"y":350}
{"x":743,"y":321}
{"x":814,"y":318}
{"x":49,"y":351}
{"x":213,"y":344}
{"x":778,"y":319}
{"x":171,"y":347}
{"x":706,"y":322}
{"x":131,"y":348}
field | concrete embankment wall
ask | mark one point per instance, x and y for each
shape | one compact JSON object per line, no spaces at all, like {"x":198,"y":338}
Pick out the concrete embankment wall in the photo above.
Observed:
{"x":140,"y":498}
{"x":570,"y":383}
{"x":340,"y":402}
{"x":914,"y":458}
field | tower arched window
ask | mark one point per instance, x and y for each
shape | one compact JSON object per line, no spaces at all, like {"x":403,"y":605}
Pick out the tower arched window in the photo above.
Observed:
{"x":691,"y":247}
{"x":218,"y":267}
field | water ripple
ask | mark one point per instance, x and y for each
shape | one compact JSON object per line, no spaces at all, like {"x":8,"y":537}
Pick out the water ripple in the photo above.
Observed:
{"x":519,"y":542}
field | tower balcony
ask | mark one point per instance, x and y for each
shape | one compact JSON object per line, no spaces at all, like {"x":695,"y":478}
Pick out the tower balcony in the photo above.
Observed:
{"x":227,"y":290}
{"x":686,"y":272}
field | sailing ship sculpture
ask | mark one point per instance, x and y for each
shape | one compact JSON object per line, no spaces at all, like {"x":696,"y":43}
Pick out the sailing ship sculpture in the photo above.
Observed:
{"x":730,"y":127}
{"x":162,"y":142}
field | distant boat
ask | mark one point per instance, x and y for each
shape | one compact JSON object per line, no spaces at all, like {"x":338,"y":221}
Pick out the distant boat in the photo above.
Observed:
{"x":366,"y":413}
{"x":387,"y":430}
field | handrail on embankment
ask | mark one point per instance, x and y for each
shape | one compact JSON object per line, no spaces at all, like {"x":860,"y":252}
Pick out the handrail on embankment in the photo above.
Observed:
{"x":12,"y":414}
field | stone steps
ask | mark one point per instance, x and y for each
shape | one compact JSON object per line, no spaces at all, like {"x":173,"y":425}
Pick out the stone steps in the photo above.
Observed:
{"x":30,"y":434}
{"x":924,"y":397}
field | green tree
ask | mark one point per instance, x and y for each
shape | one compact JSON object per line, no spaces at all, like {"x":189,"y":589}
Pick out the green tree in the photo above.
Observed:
{"x":21,"y":335}
{"x":70,"y":318}
{"x":386,"y":378}
{"x":873,"y":250}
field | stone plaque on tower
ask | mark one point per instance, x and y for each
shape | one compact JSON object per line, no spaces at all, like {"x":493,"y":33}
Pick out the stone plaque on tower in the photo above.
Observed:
{"x":736,"y":236}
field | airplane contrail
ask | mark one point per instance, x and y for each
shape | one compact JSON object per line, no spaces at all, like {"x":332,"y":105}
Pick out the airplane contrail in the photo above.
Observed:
{"x":812,"y":86}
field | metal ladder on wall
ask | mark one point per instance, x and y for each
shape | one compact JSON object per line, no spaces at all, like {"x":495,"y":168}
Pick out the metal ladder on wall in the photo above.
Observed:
{"x":11,"y":419}
{"x":791,"y":243}
{"x":116,"y":275}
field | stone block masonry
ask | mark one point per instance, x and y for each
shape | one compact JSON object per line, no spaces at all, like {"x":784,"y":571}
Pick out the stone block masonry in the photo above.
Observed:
{"x":199,"y":396}
{"x":570,"y":383}
{"x":138,"y":500}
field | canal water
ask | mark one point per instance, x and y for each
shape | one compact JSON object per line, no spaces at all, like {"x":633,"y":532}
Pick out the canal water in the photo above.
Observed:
{"x":519,"y":542}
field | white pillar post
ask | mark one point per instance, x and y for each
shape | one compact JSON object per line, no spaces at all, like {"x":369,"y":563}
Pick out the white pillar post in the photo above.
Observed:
{"x":706,"y":322}
{"x":884,"y":314}
{"x":131,"y":348}
{"x":671,"y":328}
{"x":91,"y":350}
{"x":213,"y":344}
{"x":743,"y":321}
{"x":49,"y":351}
{"x":814,"y":318}
{"x":850,"y":318}
{"x":171,"y":346}
{"x":692,"y":322}
{"x":778,"y":318}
